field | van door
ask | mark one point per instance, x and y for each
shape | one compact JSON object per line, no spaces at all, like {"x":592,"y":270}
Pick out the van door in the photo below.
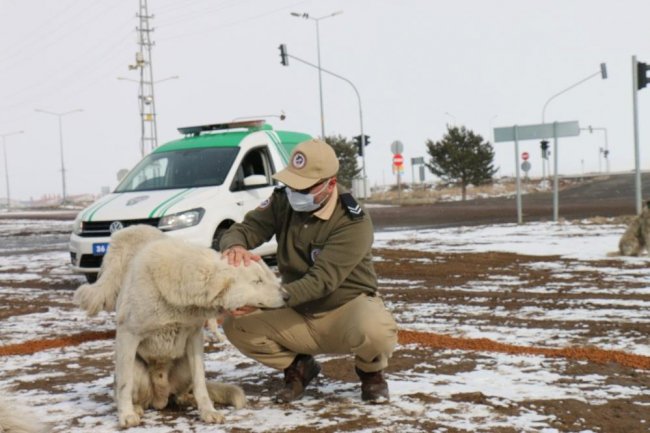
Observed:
{"x":252,"y":182}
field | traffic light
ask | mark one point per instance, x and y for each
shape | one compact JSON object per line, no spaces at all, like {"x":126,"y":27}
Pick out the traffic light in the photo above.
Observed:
{"x":544,"y":146}
{"x":357,"y":142}
{"x":642,"y":79}
{"x":284,"y":57}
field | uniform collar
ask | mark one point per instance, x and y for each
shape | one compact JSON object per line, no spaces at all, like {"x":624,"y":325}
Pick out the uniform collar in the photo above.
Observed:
{"x":325,"y":213}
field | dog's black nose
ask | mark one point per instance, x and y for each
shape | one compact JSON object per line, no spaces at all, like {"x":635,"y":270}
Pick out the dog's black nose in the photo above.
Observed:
{"x":285,"y":295}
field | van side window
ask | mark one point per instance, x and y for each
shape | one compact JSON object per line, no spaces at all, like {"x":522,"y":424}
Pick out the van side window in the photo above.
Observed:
{"x":254,"y":171}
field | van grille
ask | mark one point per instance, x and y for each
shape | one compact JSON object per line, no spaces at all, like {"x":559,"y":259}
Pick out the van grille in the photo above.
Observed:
{"x":90,"y":261}
{"x":95,"y":229}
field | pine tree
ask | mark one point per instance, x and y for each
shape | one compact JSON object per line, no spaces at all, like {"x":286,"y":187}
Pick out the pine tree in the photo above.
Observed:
{"x":461,"y":157}
{"x":346,"y":151}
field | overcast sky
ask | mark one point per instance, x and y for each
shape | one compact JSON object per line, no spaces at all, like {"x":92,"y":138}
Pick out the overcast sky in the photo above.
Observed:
{"x":418,"y":65}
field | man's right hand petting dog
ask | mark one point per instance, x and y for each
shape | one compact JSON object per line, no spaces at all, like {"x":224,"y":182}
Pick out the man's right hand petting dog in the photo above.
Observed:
{"x":163,"y":290}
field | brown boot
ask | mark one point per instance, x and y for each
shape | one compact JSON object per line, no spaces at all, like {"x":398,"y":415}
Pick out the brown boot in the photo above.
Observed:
{"x":296,"y":377}
{"x":374,"y":388}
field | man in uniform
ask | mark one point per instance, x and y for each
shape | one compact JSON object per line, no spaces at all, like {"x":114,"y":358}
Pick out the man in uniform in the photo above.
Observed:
{"x":324,"y":258}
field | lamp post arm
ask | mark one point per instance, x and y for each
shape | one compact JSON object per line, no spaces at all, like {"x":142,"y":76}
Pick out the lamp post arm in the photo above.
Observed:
{"x":566,"y":90}
{"x":335,"y":75}
{"x":363,"y":137}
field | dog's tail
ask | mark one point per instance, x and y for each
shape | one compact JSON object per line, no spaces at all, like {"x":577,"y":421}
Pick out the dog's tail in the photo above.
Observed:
{"x":17,"y":418}
{"x":102,"y":295}
{"x":224,"y":393}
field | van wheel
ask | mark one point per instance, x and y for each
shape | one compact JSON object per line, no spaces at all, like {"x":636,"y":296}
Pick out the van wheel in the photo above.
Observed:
{"x":91,"y":278}
{"x":217,"y":238}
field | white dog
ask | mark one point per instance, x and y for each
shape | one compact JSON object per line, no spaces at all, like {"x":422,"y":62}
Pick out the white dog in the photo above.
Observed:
{"x":163,"y":290}
{"x":16,"y":417}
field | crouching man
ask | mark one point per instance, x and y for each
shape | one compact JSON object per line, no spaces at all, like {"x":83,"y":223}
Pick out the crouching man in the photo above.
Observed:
{"x":324,"y":258}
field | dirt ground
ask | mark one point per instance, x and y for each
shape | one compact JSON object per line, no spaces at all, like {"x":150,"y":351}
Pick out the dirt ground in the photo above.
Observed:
{"x":425,"y":352}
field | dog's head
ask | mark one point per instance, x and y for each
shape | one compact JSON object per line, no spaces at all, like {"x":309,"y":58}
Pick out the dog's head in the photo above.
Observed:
{"x":254,"y":285}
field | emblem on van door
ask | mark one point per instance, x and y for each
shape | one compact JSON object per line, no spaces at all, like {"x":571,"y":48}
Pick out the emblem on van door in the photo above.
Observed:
{"x":115,"y":226}
{"x":136,"y":200}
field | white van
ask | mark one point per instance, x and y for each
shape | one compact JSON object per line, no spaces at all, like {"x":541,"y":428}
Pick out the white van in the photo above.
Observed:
{"x":193,"y":188}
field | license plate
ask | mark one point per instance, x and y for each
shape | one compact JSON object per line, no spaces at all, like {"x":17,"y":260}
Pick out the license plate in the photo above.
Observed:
{"x":100,"y":249}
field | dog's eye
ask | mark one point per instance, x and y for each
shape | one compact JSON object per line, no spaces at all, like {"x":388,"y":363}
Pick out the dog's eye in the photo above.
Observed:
{"x":259,"y":281}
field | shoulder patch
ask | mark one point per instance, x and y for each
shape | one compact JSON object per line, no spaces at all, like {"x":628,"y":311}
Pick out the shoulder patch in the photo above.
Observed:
{"x":351,"y":206}
{"x":265,"y":203}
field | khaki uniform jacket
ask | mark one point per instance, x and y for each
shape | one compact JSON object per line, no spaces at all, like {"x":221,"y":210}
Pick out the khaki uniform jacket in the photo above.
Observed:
{"x":324,"y":261}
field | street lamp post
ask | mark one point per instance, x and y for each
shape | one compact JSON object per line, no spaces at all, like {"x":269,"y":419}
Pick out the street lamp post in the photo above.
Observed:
{"x":280,"y":116}
{"x":320,"y":76}
{"x":602,"y":151}
{"x":603,"y":73}
{"x":60,"y":115}
{"x":4,"y":151}
{"x":363,"y":137}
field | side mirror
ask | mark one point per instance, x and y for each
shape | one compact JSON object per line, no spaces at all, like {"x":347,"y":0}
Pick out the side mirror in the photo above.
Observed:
{"x":255,"y":180}
{"x":120,"y":174}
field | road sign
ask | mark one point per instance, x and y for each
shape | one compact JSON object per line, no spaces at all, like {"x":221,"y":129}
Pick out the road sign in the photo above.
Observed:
{"x":418,"y":160}
{"x":534,"y":132}
{"x":525,"y":156}
{"x":396,"y":147}
{"x":398,"y":160}
{"x":525,"y":166}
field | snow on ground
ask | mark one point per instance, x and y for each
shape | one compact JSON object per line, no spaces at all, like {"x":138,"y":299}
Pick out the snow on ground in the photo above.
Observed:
{"x":502,"y":378}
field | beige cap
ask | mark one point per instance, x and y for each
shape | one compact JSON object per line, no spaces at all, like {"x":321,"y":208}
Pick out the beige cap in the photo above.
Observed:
{"x":310,"y":162}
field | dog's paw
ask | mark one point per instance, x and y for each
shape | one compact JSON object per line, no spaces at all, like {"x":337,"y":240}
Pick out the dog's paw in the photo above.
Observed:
{"x":212,"y":416}
{"x":138,"y":409}
{"x":129,"y":419}
{"x":237,"y":398}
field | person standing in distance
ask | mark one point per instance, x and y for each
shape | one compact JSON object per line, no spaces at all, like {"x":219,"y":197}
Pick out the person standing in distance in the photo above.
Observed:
{"x":324,"y":257}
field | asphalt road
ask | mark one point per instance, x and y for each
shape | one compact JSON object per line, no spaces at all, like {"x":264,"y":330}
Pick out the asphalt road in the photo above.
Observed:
{"x":607,"y":196}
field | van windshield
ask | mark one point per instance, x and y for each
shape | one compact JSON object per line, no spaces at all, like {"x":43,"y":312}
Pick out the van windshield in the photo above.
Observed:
{"x":180,"y":169}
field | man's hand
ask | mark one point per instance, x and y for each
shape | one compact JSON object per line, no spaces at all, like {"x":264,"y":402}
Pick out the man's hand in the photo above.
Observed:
{"x":236,"y":254}
{"x":242,"y":311}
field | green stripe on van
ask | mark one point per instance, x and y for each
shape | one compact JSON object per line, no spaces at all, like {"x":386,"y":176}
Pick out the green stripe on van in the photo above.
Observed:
{"x":100,"y":205}
{"x":151,"y":215}
{"x":178,"y":198}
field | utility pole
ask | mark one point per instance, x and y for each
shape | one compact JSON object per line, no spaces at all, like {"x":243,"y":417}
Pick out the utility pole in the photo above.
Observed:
{"x":4,"y":150}
{"x":60,"y":115}
{"x":146,"y":100}
{"x":320,"y":76}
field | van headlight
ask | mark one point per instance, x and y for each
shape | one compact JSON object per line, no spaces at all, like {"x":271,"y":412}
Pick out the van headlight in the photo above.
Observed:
{"x":77,"y":226}
{"x":181,"y":220}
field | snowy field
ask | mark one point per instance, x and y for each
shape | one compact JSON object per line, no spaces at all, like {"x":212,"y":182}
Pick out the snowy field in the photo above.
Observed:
{"x":436,"y":390}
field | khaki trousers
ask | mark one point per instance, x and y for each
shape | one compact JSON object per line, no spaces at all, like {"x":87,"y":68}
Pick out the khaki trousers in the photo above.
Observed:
{"x":362,"y":326}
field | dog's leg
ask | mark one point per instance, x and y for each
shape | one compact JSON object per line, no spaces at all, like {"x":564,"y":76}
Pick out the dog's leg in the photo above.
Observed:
{"x":195,"y":358}
{"x":126,"y":346}
{"x":225,"y":393}
{"x":214,"y":334}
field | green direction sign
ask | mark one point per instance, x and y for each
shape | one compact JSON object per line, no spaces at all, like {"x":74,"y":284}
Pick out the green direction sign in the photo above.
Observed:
{"x":418,"y":160}
{"x":538,"y":131}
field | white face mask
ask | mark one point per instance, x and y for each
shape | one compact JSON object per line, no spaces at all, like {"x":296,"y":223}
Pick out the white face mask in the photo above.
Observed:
{"x":301,"y":202}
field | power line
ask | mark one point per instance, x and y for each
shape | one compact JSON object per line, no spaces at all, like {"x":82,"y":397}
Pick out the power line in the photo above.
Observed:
{"x":53,"y":37}
{"x":234,"y":23}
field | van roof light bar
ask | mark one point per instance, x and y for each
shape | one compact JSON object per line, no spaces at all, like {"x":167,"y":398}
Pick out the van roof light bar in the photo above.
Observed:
{"x":197,"y":130}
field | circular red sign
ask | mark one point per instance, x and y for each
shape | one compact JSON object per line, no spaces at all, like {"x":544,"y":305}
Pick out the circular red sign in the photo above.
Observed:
{"x":525,"y":156}
{"x":398,"y":160}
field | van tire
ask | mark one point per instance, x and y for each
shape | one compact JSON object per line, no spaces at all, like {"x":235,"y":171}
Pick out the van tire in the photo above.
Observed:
{"x":91,"y":278}
{"x":217,"y":238}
